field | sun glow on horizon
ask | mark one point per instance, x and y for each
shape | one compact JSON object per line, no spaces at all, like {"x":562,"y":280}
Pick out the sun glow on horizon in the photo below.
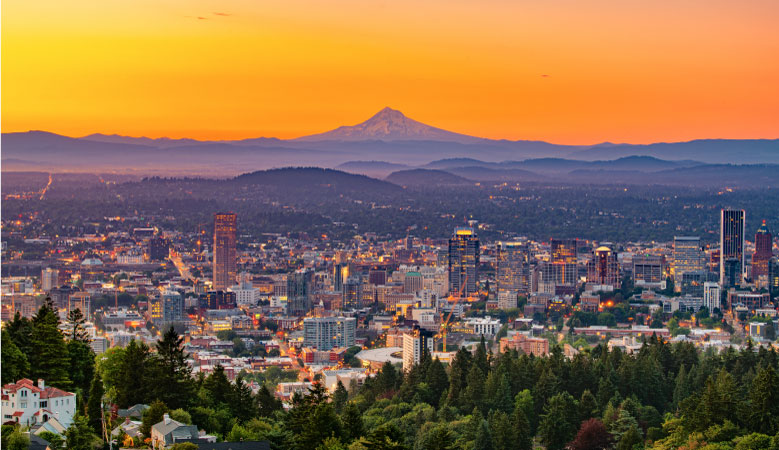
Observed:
{"x":563,"y":71}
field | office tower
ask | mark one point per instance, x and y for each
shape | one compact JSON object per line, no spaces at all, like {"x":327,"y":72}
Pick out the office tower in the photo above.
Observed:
{"x":217,"y":300}
{"x":340,"y":274}
{"x":463,"y":261}
{"x":712,"y":296}
{"x":377,"y":276}
{"x":61,"y":295}
{"x":513,"y":271}
{"x":563,"y":251}
{"x":415,"y":343}
{"x":300,"y":289}
{"x":687,"y":256}
{"x":763,"y":252}
{"x":224,"y":250}
{"x":648,"y":269}
{"x":325,"y":333}
{"x":731,"y":243}
{"x":49,"y":279}
{"x":412,"y":283}
{"x":603,"y":269}
{"x":773,"y":276}
{"x":563,"y":261}
{"x":352,"y":294}
{"x":158,"y":248}
{"x":172,"y":307}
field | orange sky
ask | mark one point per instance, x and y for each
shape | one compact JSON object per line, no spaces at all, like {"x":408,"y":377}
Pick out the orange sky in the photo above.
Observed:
{"x":617,"y":70}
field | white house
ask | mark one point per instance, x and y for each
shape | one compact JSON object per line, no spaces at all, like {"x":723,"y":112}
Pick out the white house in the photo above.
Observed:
{"x":27,"y":404}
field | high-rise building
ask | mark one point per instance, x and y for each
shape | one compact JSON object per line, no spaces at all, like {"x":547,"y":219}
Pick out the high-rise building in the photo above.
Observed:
{"x":648,"y":269}
{"x":773,"y":276}
{"x":300,"y":290}
{"x":172,"y":307}
{"x":763,"y":252}
{"x":687,"y":256}
{"x":412,"y":282}
{"x":712,"y":296}
{"x":352,"y":294}
{"x":49,"y":279}
{"x":731,"y":242}
{"x":80,"y":300}
{"x":603,"y":269}
{"x":414,"y":344}
{"x":513,"y":271}
{"x":217,"y":300}
{"x":377,"y":276}
{"x":463,"y":261}
{"x":563,"y":262}
{"x":158,"y":248}
{"x":224,"y":250}
{"x":563,"y":251}
{"x":325,"y":333}
{"x":340,"y":274}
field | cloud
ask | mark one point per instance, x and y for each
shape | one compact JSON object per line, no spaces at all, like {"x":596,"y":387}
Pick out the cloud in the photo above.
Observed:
{"x":202,"y":18}
{"x":544,"y":76}
{"x":222,"y":14}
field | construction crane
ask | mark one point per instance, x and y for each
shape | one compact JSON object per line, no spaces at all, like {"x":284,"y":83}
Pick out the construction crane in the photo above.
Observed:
{"x":445,"y":323}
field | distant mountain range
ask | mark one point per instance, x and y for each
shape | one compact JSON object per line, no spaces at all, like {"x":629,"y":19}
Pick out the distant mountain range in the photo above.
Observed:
{"x":387,"y":142}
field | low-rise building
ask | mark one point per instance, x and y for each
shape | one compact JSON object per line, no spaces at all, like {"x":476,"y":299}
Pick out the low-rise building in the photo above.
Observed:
{"x":27,"y":404}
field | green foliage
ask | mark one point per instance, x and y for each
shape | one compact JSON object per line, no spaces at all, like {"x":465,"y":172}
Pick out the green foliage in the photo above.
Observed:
{"x":559,"y":422}
{"x":16,"y":440}
{"x":179,"y":415}
{"x":14,"y":364}
{"x":152,"y":416}
{"x":184,"y":446}
{"x":94,"y":408}
{"x":81,"y":436}
{"x":50,"y":358}
{"x":56,"y":442}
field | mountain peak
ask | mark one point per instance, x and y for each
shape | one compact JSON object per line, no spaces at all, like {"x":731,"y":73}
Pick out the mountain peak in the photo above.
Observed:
{"x":389,"y":125}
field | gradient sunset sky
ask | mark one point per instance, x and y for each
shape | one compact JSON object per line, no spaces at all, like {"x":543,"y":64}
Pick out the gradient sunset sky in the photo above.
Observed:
{"x":565,"y":71}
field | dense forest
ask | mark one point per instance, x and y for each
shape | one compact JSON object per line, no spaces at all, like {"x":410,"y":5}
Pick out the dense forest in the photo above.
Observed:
{"x":665,"y":396}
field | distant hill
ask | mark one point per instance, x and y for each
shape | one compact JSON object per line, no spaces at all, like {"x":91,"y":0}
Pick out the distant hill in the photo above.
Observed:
{"x":425,"y":177}
{"x":501,"y":175}
{"x":388,"y":136}
{"x":305,"y":178}
{"x":377,"y":169}
{"x":738,"y":151}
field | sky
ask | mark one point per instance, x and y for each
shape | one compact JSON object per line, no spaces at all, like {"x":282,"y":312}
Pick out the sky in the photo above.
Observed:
{"x":564,"y":71}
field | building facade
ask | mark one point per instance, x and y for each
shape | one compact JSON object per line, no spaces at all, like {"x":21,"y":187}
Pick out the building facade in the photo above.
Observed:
{"x":224,"y":261}
{"x":463,"y":262}
{"x":731,"y":243}
{"x":325,"y":333}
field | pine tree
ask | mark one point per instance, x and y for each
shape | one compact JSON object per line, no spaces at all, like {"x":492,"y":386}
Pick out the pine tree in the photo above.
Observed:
{"x":522,"y":427}
{"x":437,"y":380}
{"x":483,"y":439}
{"x":14,"y":364}
{"x":75,"y":329}
{"x":132,"y":384}
{"x":267,"y":403}
{"x":171,"y":375}
{"x":503,"y":432}
{"x":152,"y":416}
{"x":352,"y":420}
{"x":473,"y":397}
{"x":557,"y":424}
{"x":82,"y":364}
{"x":764,"y":402}
{"x":340,"y":397}
{"x":49,"y":361}
{"x":94,"y":408}
{"x":588,"y":406}
{"x":629,"y":439}
{"x":79,"y":435}
{"x":20,"y":331}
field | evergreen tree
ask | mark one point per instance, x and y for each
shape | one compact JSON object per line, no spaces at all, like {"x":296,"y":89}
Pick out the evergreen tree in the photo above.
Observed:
{"x":14,"y":364}
{"x":588,"y":406}
{"x":267,"y":403}
{"x":20,"y":331}
{"x":75,"y":326}
{"x":434,"y":436}
{"x":242,"y":405}
{"x":629,"y":439}
{"x":312,"y":419}
{"x":558,"y":422}
{"x":94,"y":408}
{"x":352,"y":420}
{"x":473,"y":396}
{"x":764,"y":402}
{"x":483,"y":439}
{"x":80,"y":436}
{"x":172,"y":377}
{"x":132,"y":383}
{"x":340,"y":397}
{"x":503,"y":432}
{"x":522,"y":428}
{"x":49,"y":361}
{"x":437,"y":380}
{"x":82,"y":364}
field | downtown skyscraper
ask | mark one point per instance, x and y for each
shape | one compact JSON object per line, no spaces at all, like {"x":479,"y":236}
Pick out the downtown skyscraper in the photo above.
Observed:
{"x":731,"y":244}
{"x":463,"y":261}
{"x":224,"y":260}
